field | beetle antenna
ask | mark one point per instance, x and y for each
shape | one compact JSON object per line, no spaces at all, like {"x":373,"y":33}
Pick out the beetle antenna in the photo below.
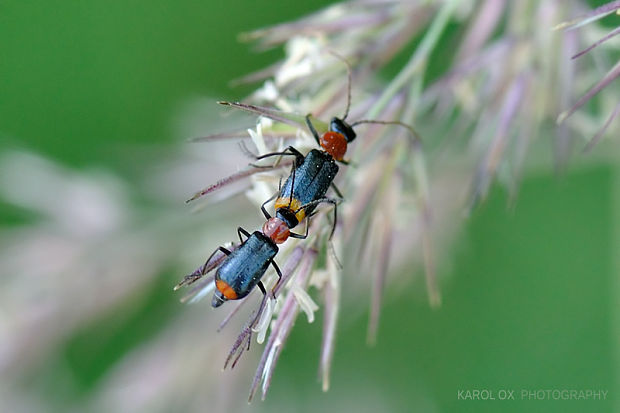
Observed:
{"x":349,"y":76}
{"x":416,"y":136}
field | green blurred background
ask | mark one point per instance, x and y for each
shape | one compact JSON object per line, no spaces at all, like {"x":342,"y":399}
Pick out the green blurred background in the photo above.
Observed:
{"x":529,"y":293}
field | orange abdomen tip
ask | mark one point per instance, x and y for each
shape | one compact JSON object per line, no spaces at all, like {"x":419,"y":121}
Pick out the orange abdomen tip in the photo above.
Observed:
{"x":226,"y":290}
{"x":292,"y":205}
{"x":276,"y":230}
{"x":334,"y":144}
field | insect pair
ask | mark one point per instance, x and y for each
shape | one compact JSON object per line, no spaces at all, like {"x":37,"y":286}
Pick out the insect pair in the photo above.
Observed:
{"x":305,"y":188}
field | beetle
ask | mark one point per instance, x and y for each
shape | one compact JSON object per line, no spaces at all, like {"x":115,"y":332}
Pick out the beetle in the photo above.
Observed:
{"x":244,"y":267}
{"x":305,"y":188}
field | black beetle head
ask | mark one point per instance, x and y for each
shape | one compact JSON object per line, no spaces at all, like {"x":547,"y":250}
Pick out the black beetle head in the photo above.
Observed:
{"x":340,"y":126}
{"x":287,"y":215}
